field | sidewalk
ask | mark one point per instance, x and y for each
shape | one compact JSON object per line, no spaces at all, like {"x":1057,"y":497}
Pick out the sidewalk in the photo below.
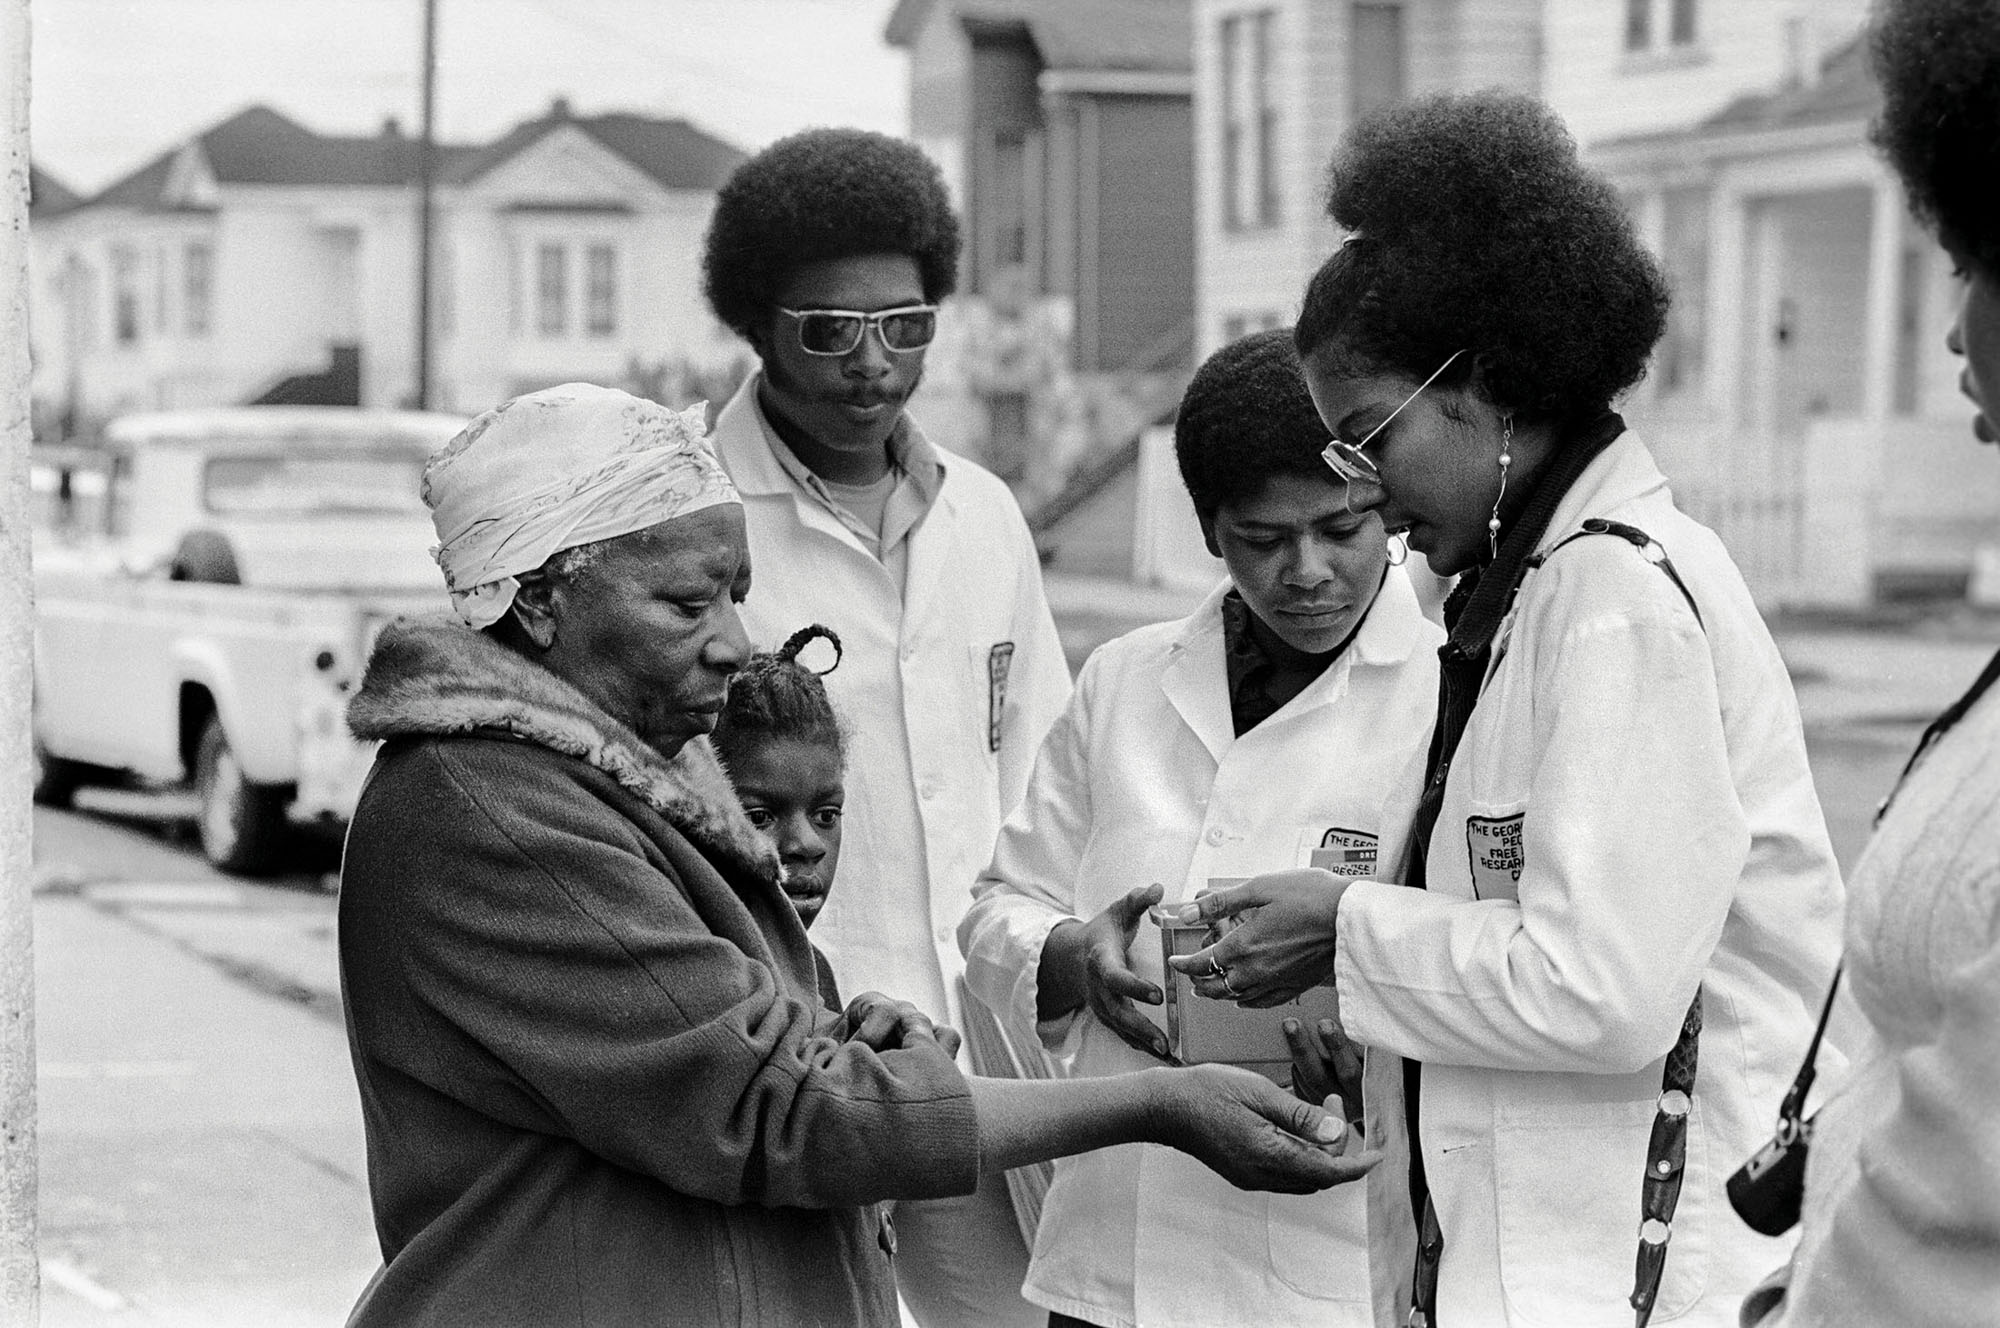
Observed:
{"x":1847,"y":677}
{"x":201,"y":1150}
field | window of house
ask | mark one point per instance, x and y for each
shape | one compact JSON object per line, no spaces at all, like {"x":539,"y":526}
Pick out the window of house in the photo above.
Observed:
{"x":1375,"y":74}
{"x":600,"y":310}
{"x":1680,"y":24}
{"x":197,"y":287}
{"x":1249,"y":121}
{"x":1647,"y":21}
{"x":1638,"y":25}
{"x":1010,"y":198}
{"x":551,"y":289}
{"x":124,"y":295}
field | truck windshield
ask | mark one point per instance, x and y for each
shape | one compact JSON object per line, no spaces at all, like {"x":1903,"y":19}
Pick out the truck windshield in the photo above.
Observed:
{"x":383,"y":480}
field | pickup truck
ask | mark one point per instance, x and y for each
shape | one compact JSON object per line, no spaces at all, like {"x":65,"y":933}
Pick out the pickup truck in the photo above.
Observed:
{"x":206,"y":595}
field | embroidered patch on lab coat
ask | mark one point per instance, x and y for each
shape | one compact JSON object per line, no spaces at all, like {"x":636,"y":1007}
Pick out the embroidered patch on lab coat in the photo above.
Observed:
{"x":999,"y":661}
{"x":1345,"y":852}
{"x":1498,"y":855}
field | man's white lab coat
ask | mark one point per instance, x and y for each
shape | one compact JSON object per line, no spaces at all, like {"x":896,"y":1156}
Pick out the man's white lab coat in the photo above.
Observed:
{"x":1628,"y":817}
{"x":947,"y":686}
{"x":1143,"y":780}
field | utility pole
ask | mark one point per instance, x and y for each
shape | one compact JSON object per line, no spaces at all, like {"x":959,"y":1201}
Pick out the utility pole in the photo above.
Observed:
{"x":426,"y":187}
{"x":19,"y":1277}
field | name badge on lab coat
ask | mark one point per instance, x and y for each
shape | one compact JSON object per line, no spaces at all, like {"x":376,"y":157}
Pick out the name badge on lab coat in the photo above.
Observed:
{"x":1341,"y":851}
{"x":1498,"y":854}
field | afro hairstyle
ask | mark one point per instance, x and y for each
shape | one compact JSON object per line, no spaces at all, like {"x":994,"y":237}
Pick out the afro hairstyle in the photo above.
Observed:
{"x":1245,"y":417}
{"x":820,"y":194}
{"x":1939,"y":65}
{"x":774,"y":698}
{"x":1473,"y":225}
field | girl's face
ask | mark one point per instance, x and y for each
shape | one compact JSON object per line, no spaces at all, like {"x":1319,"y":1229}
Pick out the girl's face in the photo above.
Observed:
{"x":792,"y":792}
{"x":1439,"y":458}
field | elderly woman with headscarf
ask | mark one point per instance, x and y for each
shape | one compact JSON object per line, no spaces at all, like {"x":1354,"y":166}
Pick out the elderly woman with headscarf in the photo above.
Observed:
{"x":598,"y":1084}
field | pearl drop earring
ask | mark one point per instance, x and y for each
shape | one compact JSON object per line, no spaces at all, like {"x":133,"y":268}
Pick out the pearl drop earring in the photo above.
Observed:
{"x":1506,"y":460}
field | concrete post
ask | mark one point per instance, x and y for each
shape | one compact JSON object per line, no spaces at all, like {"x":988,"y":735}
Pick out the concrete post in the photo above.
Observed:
{"x":18,"y":1276}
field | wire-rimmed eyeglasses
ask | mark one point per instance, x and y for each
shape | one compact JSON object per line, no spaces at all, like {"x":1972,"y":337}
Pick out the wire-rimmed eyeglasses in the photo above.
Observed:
{"x":1347,"y":460}
{"x":907,"y":327}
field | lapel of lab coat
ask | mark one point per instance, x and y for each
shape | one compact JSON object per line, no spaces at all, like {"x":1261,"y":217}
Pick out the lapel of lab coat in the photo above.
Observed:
{"x":1196,"y":681}
{"x":930,"y":548}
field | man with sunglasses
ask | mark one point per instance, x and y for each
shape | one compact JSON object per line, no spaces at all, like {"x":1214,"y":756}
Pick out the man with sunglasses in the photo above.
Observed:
{"x":829,"y":253}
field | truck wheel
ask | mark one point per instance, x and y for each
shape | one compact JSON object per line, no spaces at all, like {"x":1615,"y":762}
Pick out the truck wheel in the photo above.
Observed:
{"x":241,"y":825}
{"x":56,"y":780}
{"x":206,"y":557}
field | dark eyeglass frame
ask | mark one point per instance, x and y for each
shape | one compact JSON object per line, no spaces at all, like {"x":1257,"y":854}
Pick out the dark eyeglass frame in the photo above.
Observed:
{"x":862,"y":321}
{"x":1348,"y":461}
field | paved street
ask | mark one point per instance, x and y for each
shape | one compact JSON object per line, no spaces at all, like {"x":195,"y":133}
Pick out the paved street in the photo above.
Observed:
{"x":201,"y":1144}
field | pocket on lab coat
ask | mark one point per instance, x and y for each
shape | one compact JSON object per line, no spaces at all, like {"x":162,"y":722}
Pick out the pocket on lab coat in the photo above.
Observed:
{"x":1568,"y":1178}
{"x":1495,"y":847}
{"x":1319,"y":1243}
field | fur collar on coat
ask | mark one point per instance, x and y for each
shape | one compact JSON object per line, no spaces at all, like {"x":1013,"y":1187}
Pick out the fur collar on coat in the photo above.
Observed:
{"x":436,"y":678}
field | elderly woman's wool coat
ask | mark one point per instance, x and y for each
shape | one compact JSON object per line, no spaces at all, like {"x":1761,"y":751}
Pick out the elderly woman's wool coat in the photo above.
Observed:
{"x":598,"y":1084}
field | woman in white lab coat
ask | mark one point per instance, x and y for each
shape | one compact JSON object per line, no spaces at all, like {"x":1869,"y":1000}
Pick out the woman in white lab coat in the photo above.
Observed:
{"x":1284,"y":716}
{"x":1626,"y":907}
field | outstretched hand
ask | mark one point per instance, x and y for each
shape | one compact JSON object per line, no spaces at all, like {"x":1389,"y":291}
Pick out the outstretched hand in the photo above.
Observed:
{"x":1282,"y":944}
{"x":883,"y":1023}
{"x":1109,"y":983}
{"x":1253,"y":1134}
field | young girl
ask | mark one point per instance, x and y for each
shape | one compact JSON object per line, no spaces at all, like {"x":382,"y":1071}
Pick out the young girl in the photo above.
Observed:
{"x":786,"y":754}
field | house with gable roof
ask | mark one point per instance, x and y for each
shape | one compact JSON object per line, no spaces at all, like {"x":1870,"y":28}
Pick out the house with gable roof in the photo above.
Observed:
{"x":263,"y":261}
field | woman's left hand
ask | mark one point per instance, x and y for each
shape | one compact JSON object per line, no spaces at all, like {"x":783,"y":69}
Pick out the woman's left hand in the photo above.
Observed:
{"x":1282,"y":949}
{"x":883,"y":1023}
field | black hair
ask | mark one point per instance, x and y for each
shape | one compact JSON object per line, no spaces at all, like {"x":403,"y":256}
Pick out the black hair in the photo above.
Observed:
{"x":820,"y":194}
{"x":1939,"y":65}
{"x":774,"y":697}
{"x":1245,"y":417}
{"x":1474,"y":226}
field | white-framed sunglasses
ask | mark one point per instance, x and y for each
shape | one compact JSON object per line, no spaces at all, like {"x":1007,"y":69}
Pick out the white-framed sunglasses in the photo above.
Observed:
{"x":1346,"y":459}
{"x":905,"y":328}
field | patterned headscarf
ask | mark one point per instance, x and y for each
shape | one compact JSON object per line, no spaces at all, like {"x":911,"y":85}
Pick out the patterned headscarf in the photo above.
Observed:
{"x":554,"y":469}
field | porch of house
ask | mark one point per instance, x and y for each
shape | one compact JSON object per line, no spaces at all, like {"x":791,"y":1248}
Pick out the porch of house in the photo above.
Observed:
{"x":1803,"y":403}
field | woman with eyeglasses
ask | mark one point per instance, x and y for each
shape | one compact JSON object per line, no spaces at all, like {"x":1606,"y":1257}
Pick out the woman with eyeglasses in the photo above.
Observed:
{"x":1619,"y":906}
{"x":1901,"y":1217}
